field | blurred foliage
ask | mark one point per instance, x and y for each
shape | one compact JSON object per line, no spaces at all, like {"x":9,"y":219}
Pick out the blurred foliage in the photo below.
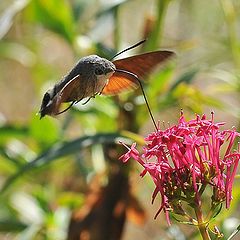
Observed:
{"x":40,"y":41}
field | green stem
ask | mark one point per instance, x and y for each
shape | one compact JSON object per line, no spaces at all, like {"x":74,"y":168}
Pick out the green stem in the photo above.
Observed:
{"x":116,"y":33}
{"x":156,"y":35}
{"x":202,"y":225}
{"x":230,"y":17}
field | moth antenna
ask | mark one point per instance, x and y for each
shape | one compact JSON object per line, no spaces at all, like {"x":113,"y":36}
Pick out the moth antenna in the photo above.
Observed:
{"x":66,"y":108}
{"x":129,"y":48}
{"x":144,"y":95}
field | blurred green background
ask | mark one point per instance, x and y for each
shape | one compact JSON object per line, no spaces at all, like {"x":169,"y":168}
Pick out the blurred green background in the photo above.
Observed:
{"x":58,"y":170}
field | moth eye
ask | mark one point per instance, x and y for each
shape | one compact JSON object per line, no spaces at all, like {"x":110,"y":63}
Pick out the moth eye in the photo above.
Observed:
{"x":99,"y":71}
{"x":46,"y":98}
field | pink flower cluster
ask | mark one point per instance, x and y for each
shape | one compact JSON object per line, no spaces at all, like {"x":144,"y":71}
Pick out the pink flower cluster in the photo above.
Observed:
{"x":183,"y":159}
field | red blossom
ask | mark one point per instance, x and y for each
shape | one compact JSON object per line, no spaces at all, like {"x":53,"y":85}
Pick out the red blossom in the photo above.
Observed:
{"x":184,"y":158}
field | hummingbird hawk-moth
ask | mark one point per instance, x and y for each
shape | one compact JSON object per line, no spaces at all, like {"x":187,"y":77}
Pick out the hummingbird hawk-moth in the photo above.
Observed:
{"x":94,"y":75}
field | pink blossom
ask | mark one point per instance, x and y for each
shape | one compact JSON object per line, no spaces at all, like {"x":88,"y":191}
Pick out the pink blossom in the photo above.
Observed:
{"x":183,"y":159}
{"x":131,"y":153}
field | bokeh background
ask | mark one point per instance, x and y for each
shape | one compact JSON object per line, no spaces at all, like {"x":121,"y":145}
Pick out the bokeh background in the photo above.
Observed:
{"x":60,"y":177}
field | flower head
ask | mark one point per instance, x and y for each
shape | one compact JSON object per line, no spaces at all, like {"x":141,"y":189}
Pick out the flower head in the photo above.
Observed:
{"x":183,"y":159}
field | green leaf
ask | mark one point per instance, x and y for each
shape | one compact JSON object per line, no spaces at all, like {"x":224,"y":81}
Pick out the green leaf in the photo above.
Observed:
{"x":185,"y":78}
{"x":55,"y":15}
{"x":44,"y":130}
{"x":71,"y":199}
{"x":217,"y":210}
{"x":11,"y":225}
{"x":9,"y":131}
{"x":159,"y":83}
{"x":64,"y":149}
{"x":14,"y":161}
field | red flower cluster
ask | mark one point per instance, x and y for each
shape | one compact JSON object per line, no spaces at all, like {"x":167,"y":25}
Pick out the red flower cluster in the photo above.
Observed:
{"x":182,"y":160}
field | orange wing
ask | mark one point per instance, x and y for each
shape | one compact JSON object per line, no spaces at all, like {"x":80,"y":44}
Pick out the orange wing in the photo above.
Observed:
{"x":118,"y":83}
{"x":141,"y":65}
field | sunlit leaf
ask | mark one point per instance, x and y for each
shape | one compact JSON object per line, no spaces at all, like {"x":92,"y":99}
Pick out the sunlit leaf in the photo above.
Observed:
{"x":44,"y":130}
{"x":187,"y":78}
{"x":27,"y":207}
{"x":71,"y":199}
{"x":134,"y":137}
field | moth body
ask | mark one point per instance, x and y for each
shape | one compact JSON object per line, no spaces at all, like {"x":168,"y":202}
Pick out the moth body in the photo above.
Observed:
{"x":87,"y":79}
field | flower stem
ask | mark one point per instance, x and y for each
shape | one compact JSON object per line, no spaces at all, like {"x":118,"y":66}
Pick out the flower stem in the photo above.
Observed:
{"x":202,"y":225}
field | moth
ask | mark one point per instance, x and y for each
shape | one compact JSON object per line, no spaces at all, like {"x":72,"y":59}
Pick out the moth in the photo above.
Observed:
{"x":94,"y":75}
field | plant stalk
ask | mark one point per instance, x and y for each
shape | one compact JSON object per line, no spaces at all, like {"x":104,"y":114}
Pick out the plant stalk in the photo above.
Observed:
{"x":202,"y":225}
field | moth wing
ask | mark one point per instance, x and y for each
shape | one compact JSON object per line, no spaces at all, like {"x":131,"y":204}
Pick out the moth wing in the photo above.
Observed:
{"x":118,"y":83}
{"x":68,"y":93}
{"x":140,"y":65}
{"x":143,"y":64}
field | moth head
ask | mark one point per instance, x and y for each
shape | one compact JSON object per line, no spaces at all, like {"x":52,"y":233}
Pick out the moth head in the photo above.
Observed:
{"x":48,"y":103}
{"x":98,"y":66}
{"x":106,"y":69}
